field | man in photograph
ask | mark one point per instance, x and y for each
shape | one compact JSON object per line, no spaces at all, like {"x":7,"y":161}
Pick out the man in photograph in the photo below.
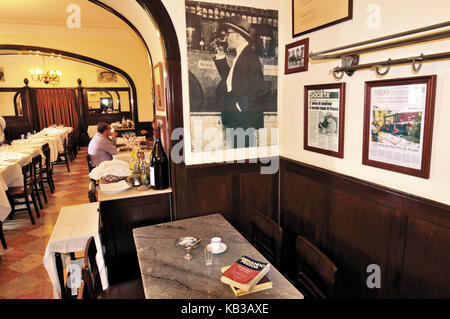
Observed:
{"x":243,"y":82}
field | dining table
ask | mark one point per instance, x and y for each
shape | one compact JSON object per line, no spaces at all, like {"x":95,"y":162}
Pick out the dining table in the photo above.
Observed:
{"x":13,"y":157}
{"x":166,"y":274}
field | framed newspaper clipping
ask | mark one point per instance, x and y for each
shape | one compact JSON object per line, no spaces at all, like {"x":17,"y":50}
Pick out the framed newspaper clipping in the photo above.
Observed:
{"x":324,"y":119}
{"x":398,"y":124}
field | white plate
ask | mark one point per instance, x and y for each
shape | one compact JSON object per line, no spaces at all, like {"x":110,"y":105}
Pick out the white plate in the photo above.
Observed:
{"x":222,"y":248}
{"x":117,"y":190}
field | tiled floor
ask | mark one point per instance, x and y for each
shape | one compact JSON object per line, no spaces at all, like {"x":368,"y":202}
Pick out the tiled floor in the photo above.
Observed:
{"x":22,"y":274}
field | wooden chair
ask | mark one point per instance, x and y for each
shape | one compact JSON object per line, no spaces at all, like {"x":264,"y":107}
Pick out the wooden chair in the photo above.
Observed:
{"x":89,"y":162}
{"x":316,"y":272}
{"x":37,"y":179}
{"x":47,"y":169}
{"x":2,"y":236}
{"x":267,"y":237}
{"x":63,"y":157}
{"x":92,"y":194}
{"x":92,"y":288}
{"x":24,"y":192}
{"x":71,"y":146}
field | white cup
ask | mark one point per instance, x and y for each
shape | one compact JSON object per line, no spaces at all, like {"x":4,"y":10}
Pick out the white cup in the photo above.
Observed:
{"x":216,"y":242}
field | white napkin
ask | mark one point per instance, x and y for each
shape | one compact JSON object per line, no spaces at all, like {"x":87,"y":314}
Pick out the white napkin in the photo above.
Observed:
{"x":114,"y":167}
{"x":113,"y":187}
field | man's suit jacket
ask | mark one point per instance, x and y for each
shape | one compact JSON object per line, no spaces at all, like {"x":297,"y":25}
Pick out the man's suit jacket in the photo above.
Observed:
{"x":247,"y":86}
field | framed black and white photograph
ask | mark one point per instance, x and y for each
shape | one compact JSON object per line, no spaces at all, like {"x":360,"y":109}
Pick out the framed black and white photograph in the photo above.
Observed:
{"x":106,"y":76}
{"x":296,"y":56}
{"x":2,"y":75}
{"x":398,"y":124}
{"x":232,"y":55}
{"x":324,"y":117}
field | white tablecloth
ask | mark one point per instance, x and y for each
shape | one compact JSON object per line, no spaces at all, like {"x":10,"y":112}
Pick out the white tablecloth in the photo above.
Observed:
{"x":12,"y":158}
{"x":75,"y":225}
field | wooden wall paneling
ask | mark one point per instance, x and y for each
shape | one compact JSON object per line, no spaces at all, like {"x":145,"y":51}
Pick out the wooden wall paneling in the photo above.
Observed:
{"x":357,"y":223}
{"x":257,"y":191}
{"x":426,"y":264}
{"x":303,"y":209}
{"x":357,"y":236}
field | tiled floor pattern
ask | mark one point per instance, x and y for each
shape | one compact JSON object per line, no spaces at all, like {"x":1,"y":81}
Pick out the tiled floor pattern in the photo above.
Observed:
{"x":22,"y":274}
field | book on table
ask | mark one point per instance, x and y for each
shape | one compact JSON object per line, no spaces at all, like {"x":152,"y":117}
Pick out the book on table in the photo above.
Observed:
{"x":263,"y":284}
{"x":245,"y":273}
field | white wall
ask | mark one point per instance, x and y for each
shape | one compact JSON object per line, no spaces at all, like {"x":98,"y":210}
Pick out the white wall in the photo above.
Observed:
{"x":17,"y":67}
{"x":395,"y":16}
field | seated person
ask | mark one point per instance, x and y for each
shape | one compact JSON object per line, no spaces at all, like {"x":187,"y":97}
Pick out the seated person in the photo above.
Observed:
{"x":100,"y":147}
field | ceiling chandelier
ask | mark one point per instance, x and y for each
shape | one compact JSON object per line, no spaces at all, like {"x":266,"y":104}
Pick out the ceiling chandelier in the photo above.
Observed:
{"x":48,"y":77}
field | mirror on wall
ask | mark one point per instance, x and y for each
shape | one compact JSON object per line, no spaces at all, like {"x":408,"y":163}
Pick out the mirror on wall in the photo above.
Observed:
{"x":10,"y":102}
{"x":108,"y":100}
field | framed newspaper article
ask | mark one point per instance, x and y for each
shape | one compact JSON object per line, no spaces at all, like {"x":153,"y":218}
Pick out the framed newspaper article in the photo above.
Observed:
{"x":324,"y":119}
{"x":398,"y":124}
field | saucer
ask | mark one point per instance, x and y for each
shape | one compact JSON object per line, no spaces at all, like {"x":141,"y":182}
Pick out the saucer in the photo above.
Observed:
{"x":222,"y":248}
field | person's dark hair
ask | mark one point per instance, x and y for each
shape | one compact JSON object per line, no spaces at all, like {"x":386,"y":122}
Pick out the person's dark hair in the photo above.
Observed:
{"x":102,"y":127}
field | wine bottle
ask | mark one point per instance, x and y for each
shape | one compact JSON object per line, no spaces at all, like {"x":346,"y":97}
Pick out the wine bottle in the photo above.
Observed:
{"x":159,"y":162}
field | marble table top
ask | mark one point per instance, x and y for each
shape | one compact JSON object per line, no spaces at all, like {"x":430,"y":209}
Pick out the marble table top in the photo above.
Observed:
{"x":167,"y":275}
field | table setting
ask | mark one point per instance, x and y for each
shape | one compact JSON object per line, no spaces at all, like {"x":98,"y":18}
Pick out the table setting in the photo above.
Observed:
{"x":205,"y":248}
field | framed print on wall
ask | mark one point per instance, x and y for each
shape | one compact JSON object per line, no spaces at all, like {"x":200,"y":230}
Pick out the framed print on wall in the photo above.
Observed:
{"x":161,"y":120}
{"x":312,"y":15}
{"x":324,"y":119}
{"x":398,"y":124}
{"x":158,"y":80}
{"x":296,"y":56}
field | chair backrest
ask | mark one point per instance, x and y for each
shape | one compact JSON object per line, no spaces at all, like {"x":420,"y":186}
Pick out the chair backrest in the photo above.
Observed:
{"x":37,"y":167}
{"x":90,"y":273}
{"x":89,"y":161}
{"x":92,"y":194}
{"x":46,"y":152}
{"x":267,"y":237}
{"x":316,"y":272}
{"x":27,"y":172}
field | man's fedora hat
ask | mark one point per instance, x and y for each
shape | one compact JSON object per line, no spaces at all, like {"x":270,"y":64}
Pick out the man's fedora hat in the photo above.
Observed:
{"x":240,"y":25}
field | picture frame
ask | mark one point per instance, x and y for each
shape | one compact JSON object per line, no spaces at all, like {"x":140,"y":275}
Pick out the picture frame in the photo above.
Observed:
{"x":158,"y":80}
{"x":162,"y":120}
{"x":324,"y":119}
{"x":402,"y":141}
{"x":296,"y":56}
{"x":312,"y":15}
{"x":106,"y":76}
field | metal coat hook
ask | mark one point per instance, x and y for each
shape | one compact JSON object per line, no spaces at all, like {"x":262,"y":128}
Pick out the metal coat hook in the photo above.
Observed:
{"x":413,"y":64}
{"x":336,"y":76}
{"x":388,"y":67}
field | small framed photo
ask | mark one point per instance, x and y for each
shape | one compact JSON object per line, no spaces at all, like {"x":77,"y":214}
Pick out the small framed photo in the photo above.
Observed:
{"x":324,"y":107}
{"x":162,"y":121}
{"x":158,"y":80}
{"x":296,"y":56}
{"x":398,"y":124}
